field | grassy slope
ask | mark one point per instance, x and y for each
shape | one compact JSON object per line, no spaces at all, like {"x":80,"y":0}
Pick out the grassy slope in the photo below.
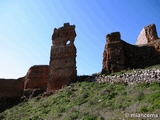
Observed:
{"x":90,"y":101}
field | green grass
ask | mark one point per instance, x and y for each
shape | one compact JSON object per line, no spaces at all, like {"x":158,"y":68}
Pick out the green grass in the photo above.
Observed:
{"x":90,"y":101}
{"x":154,"y":66}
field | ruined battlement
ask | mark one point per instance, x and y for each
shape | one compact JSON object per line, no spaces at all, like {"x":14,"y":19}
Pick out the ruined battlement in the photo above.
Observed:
{"x":113,"y":37}
{"x":63,"y":35}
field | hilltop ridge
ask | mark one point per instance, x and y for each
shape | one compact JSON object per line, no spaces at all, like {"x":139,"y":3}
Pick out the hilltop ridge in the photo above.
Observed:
{"x":98,"y":100}
{"x":118,"y":56}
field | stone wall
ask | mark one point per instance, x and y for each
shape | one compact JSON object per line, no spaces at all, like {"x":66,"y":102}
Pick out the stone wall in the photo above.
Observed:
{"x":11,"y":87}
{"x":62,"y":66}
{"x":140,"y":56}
{"x":14,"y":91}
{"x":37,"y":77}
{"x":119,"y":55}
{"x":11,"y":91}
{"x":134,"y":77}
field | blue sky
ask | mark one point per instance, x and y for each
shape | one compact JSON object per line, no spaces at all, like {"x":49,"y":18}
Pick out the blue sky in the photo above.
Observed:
{"x":26,"y":27}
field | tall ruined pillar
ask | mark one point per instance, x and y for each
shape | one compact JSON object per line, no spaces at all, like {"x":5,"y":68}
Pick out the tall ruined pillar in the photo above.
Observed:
{"x":113,"y":56}
{"x":62,"y":66}
{"x":147,"y":35}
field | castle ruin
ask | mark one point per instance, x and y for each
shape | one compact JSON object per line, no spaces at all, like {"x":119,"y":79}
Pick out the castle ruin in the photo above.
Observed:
{"x":147,"y":35}
{"x":62,"y":66}
{"x":119,"y":55}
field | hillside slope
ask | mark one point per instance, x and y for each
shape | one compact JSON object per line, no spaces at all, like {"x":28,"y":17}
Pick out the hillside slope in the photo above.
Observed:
{"x":91,"y":101}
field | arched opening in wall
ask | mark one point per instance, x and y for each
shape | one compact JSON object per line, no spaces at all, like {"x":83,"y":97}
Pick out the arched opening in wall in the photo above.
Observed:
{"x":68,"y":42}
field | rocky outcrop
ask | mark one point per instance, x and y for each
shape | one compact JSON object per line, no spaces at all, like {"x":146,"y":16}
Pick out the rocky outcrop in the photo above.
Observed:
{"x":10,"y":92}
{"x":37,"y":77}
{"x":147,"y":35}
{"x":62,"y":67}
{"x":119,"y":55}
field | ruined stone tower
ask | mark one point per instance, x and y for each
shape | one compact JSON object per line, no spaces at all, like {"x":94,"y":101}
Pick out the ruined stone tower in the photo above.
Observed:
{"x":147,"y":35}
{"x":62,"y":66}
{"x":113,"y":56}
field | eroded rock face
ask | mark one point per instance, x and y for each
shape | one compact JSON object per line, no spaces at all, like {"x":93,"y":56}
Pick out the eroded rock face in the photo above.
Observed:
{"x":147,"y":35}
{"x":10,"y":92}
{"x":113,"y":56}
{"x":62,"y":67}
{"x":37,"y":77}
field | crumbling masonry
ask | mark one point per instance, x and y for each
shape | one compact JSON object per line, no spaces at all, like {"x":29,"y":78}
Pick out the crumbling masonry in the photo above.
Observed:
{"x":62,"y":66}
{"x":119,"y":55}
